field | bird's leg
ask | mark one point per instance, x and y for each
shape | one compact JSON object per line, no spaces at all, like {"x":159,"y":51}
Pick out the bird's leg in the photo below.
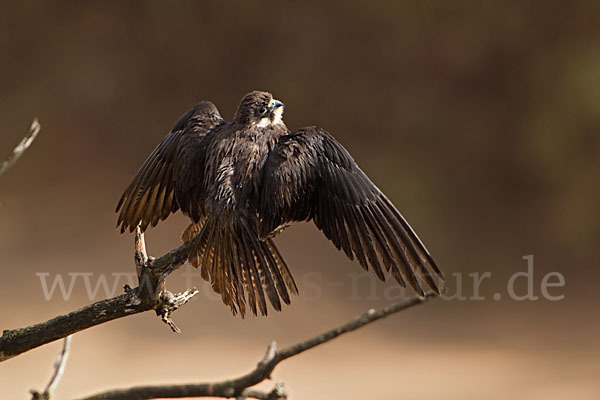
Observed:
{"x":140,"y":255}
{"x":169,"y":302}
{"x":149,"y":286}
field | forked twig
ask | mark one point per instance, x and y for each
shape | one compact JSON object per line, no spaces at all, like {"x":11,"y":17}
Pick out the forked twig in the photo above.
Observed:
{"x":149,"y":295}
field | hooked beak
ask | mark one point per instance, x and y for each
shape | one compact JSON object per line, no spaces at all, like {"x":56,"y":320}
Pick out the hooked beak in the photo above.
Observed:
{"x":275,"y":104}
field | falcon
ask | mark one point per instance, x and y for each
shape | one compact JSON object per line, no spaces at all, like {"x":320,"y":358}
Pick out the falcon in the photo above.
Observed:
{"x":243,"y":182}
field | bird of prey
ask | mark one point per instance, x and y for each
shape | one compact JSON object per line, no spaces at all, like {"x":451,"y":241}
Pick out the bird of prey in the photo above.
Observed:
{"x":242,"y":182}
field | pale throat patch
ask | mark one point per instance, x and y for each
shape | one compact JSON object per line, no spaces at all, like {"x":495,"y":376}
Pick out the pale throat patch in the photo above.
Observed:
{"x":277,"y":118}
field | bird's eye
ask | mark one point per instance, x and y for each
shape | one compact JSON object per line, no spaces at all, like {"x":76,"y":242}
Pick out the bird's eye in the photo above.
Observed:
{"x":263,"y":110}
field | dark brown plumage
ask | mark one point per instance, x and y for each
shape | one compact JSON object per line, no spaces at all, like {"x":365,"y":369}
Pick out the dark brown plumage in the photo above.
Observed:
{"x":242,"y":182}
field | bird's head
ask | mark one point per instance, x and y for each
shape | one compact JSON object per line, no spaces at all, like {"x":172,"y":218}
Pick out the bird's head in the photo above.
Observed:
{"x":259,"y":109}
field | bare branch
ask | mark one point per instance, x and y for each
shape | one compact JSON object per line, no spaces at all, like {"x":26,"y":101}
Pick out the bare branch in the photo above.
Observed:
{"x":18,"y":151}
{"x":149,"y":295}
{"x":186,"y":391}
{"x":17,"y":341}
{"x":238,"y":387}
{"x":277,"y":393}
{"x":270,"y":353}
{"x":59,"y":368}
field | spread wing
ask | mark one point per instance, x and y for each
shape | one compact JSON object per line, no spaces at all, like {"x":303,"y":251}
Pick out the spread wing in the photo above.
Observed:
{"x":150,"y":197}
{"x":309,"y":175}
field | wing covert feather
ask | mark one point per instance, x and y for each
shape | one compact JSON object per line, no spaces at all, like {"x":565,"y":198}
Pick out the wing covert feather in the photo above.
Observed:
{"x":311,"y":176}
{"x":150,"y":197}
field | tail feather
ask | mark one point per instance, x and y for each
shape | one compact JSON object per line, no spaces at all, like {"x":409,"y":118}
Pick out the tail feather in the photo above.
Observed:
{"x":276,"y":275}
{"x":243,"y":269}
{"x":238,"y":288}
{"x":288,"y":280}
{"x":255,"y":282}
{"x":263,"y":265}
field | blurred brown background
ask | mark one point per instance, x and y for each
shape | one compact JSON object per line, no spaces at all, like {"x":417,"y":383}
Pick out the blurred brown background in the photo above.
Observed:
{"x":478,"y":119}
